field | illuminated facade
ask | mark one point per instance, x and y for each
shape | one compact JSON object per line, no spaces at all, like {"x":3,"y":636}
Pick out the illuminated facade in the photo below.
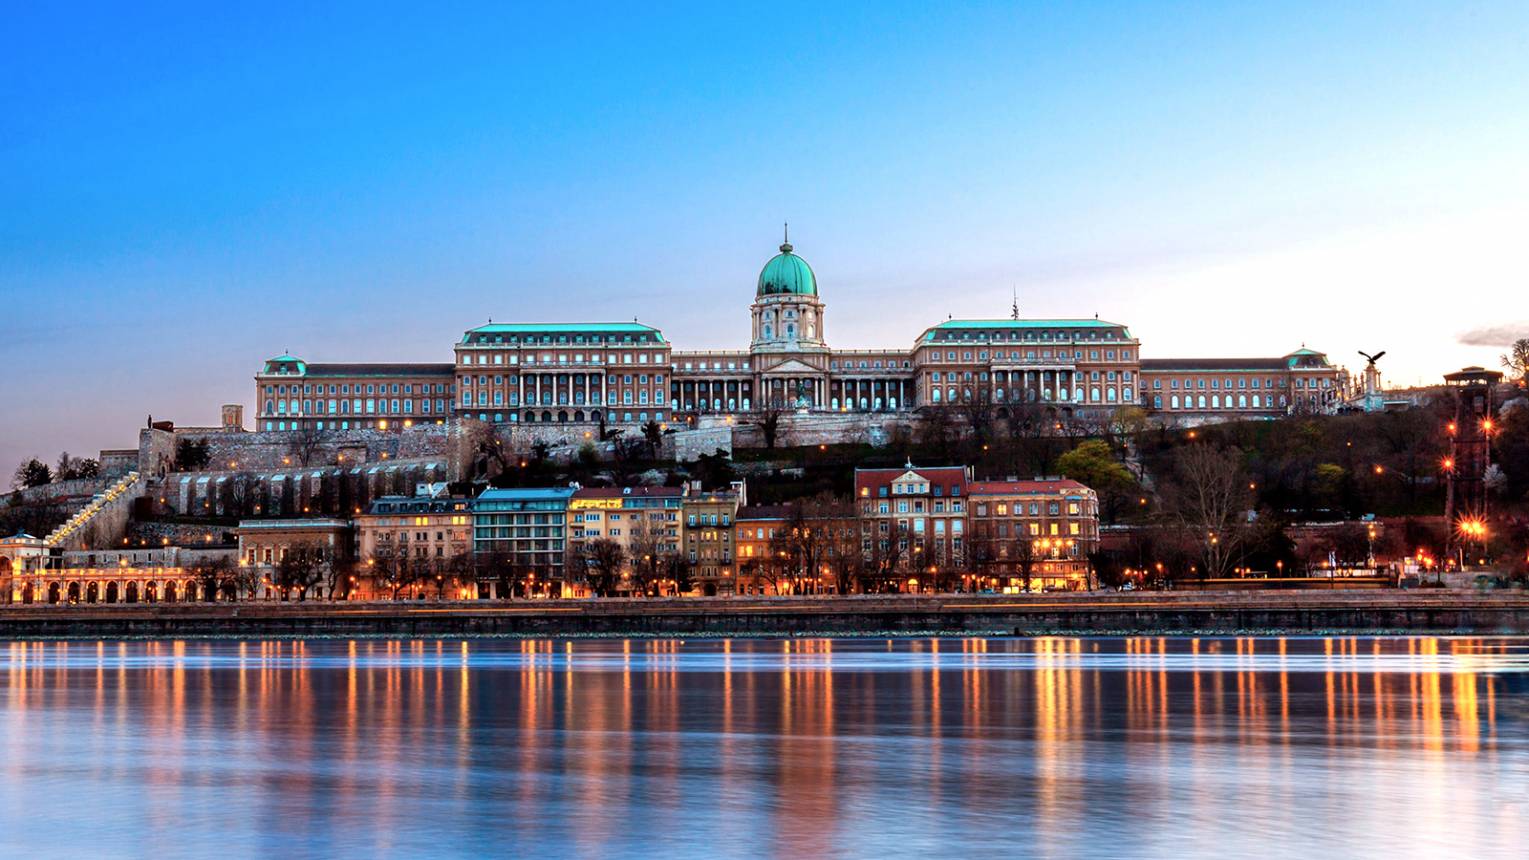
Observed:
{"x":913,"y":520}
{"x":709,"y":518}
{"x":628,"y":374}
{"x":1047,"y":526}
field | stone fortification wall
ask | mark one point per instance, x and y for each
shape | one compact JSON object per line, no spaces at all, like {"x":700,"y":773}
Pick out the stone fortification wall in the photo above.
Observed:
{"x":876,"y":429}
{"x":273,"y":450}
{"x":160,"y":533}
{"x":315,"y":491}
{"x":71,"y":493}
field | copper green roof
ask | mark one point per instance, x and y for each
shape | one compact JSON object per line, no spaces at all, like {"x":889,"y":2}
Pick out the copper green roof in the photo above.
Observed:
{"x":299,"y":366}
{"x":787,"y":274}
{"x":1012,"y":324}
{"x":519,"y":330}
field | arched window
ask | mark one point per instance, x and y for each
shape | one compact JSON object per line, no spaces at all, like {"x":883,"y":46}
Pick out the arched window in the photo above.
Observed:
{"x":1215,"y":401}
{"x":1202,"y":401}
{"x":1242,"y":401}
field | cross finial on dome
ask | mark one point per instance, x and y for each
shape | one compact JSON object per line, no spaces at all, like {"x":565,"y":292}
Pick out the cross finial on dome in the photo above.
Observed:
{"x":785,"y":245}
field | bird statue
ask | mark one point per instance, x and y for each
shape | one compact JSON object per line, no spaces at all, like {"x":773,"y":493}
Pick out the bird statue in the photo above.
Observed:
{"x":1373,"y":358}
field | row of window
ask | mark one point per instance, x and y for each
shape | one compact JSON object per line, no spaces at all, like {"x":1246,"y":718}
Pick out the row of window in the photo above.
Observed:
{"x":562,"y":358}
{"x":548,"y":398}
{"x":1001,"y":355}
{"x":1244,"y":401}
{"x":563,"y":417}
{"x":562,"y":338}
{"x":1001,"y":509}
{"x":370,"y":388}
{"x":982,"y":375}
{"x":566,"y":379}
{"x":1109,"y":395}
{"x":1064,"y":334}
{"x":358,"y":406}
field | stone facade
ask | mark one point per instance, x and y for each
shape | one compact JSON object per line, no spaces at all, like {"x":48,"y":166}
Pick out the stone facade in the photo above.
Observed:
{"x":579,"y":375}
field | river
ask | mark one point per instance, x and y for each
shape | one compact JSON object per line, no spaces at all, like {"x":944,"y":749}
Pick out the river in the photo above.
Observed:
{"x":1047,"y":747}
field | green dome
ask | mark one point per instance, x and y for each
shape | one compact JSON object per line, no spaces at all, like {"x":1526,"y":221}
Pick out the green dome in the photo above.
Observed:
{"x":787,"y":274}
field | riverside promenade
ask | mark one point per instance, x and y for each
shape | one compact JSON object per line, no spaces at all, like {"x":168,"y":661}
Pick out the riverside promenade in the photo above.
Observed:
{"x":1267,"y":612}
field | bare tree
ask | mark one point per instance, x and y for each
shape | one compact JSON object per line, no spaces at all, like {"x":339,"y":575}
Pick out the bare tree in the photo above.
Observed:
{"x":1024,"y":560}
{"x":302,"y":567}
{"x":304,"y":443}
{"x":646,"y":551}
{"x":1516,"y":361}
{"x":679,"y":571}
{"x":1207,"y":495}
{"x":769,"y":422}
{"x":484,"y":449}
{"x":653,"y":434}
{"x":216,"y":576}
{"x":845,"y":556}
{"x":601,"y":560}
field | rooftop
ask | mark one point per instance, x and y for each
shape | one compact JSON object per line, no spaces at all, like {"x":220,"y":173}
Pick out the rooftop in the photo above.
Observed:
{"x":518,"y":329}
{"x":763,"y":512}
{"x":515,"y":494}
{"x":624,"y":492}
{"x":1212,"y":364}
{"x":399,"y":369}
{"x":1025,"y":325}
{"x":994,"y":488}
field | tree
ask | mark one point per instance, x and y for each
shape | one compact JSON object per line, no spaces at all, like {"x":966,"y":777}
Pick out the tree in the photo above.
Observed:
{"x":601,"y":560}
{"x":1024,"y":560}
{"x":32,"y":473}
{"x":341,"y":580}
{"x":71,"y":468}
{"x":1208,"y":495}
{"x":653,"y":433}
{"x":1094,"y":463}
{"x":645,"y":556}
{"x":769,"y":422}
{"x":680,"y":571}
{"x":715,"y":470}
{"x":846,"y":559}
{"x":1516,"y":361}
{"x":1107,"y":568}
{"x":588,"y":455}
{"x":191,"y":455}
{"x":302,"y":567}
{"x":304,"y":443}
{"x":216,"y":576}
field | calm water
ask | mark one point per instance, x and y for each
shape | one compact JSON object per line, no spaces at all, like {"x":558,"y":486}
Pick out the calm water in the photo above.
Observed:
{"x":969,"y":748}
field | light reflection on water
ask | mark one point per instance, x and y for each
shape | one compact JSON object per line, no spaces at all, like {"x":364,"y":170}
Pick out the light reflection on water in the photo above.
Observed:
{"x":1400,"y":747}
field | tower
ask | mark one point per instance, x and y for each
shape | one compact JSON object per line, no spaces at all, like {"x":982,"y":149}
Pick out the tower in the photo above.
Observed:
{"x":787,"y":313}
{"x":789,"y":352}
{"x":1470,"y":448}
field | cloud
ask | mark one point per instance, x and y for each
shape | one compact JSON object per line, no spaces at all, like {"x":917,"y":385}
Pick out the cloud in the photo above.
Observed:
{"x":1497,"y":335}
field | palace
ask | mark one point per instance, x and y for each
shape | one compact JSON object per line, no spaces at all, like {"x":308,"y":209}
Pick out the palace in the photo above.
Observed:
{"x":628,"y":373}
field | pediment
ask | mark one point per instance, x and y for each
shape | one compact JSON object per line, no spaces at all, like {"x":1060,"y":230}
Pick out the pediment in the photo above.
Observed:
{"x":795,"y":366}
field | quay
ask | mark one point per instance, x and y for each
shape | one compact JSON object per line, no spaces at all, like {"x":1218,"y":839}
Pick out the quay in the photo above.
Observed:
{"x":1136,"y":613}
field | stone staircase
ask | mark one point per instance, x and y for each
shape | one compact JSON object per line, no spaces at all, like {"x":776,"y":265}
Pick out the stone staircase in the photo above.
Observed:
{"x":113,"y":499}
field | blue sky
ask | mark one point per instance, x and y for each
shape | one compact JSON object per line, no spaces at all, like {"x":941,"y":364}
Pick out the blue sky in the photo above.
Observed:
{"x":187,"y":190}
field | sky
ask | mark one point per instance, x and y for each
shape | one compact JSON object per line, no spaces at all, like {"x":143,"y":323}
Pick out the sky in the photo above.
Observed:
{"x":188,"y":190}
